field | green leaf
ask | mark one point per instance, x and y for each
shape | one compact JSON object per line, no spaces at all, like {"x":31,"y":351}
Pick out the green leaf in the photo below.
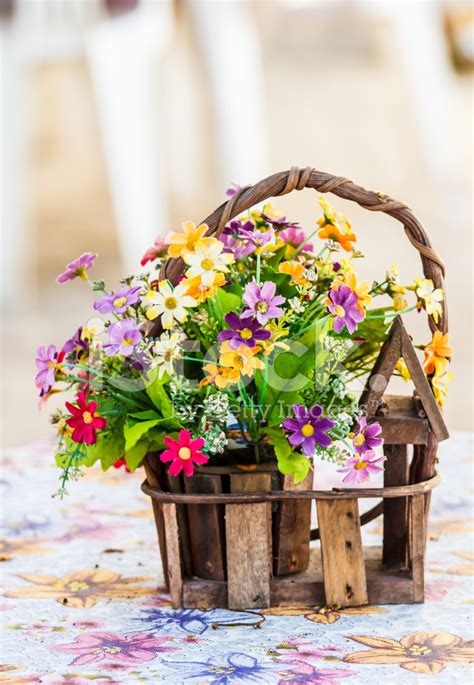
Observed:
{"x":135,"y":456}
{"x":148,"y":415}
{"x":226,"y":301}
{"x":157,"y":393}
{"x":289,"y":462}
{"x":108,"y":449}
{"x":134,"y":432}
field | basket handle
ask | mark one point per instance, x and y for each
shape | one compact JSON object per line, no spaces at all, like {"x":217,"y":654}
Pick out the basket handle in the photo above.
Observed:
{"x":296,"y":179}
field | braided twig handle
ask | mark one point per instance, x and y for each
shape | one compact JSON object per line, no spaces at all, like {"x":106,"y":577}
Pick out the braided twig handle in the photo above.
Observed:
{"x":296,"y":179}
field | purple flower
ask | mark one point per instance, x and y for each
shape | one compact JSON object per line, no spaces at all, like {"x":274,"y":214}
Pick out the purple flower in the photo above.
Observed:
{"x":281,"y":223}
{"x":230,"y":238}
{"x":118,"y":302}
{"x":123,"y":336}
{"x":359,"y":469}
{"x":262,"y":301}
{"x":344,"y":307}
{"x":46,"y":361}
{"x":77,"y":268}
{"x":366,"y":436}
{"x":244,"y":330}
{"x":295,"y":236}
{"x":308,"y":428}
{"x":257,"y":237}
{"x":75,"y":344}
{"x":231,"y":191}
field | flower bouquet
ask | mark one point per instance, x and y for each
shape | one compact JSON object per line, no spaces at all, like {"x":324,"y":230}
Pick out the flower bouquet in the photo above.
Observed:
{"x":256,"y":355}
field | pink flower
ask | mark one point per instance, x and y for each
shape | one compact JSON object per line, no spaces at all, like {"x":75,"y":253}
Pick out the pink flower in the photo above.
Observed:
{"x":93,"y":648}
{"x":48,"y":361}
{"x":262,"y":301}
{"x":367,"y":436}
{"x":303,"y":674}
{"x":308,"y":651}
{"x":295,"y":236}
{"x":359,"y":469}
{"x":77,"y":268}
{"x":158,"y":249}
{"x":183,"y":453}
{"x":84,"y":420}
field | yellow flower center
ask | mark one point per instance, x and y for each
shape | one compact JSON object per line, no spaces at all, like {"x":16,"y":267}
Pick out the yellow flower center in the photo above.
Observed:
{"x":360,"y":465}
{"x":77,"y":585}
{"x":340,"y":311}
{"x":168,"y":355}
{"x":207,"y":264}
{"x":221,"y":670}
{"x":184,"y":453}
{"x":262,"y":307}
{"x":245,"y":333}
{"x":50,"y":364}
{"x":419,"y":650}
{"x":359,"y":440}
{"x":107,"y":650}
{"x":171,"y":303}
{"x":119,"y":302}
{"x":87,"y":417}
{"x":127,"y":341}
{"x":307,"y":430}
{"x":239,"y":361}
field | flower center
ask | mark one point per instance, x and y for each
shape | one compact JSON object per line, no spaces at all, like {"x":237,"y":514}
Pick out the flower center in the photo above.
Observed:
{"x":76,"y":586}
{"x":207,"y":264}
{"x":245,"y":333}
{"x":171,"y":303}
{"x":307,"y":430}
{"x":239,"y":361}
{"x":419,"y":650}
{"x":119,"y":302}
{"x":168,"y":355}
{"x":51,"y":364}
{"x":184,"y":453}
{"x":262,"y":307}
{"x":127,"y":342}
{"x":87,"y":417}
{"x":360,"y":465}
{"x":359,"y":440}
{"x":340,"y":311}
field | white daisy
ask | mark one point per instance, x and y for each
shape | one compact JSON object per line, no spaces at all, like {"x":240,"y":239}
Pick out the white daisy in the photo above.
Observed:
{"x":208,"y":258}
{"x":170,"y":302}
{"x":166,"y":351}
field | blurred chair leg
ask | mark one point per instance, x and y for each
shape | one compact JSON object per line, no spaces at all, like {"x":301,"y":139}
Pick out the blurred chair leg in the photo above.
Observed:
{"x":230,"y":45}
{"x":124,"y":58}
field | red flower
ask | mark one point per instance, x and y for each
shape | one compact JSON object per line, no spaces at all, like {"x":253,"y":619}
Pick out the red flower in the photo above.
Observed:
{"x":84,"y":421}
{"x":183,"y":453}
{"x":118,"y":463}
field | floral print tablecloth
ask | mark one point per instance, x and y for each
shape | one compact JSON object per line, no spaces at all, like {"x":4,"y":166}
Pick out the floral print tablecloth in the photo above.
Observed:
{"x":83,"y":600}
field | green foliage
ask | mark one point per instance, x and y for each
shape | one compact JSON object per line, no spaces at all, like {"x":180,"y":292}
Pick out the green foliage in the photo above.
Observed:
{"x":289,"y":462}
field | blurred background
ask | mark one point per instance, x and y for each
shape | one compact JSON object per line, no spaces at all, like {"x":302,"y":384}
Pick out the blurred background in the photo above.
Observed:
{"x":119,"y":119}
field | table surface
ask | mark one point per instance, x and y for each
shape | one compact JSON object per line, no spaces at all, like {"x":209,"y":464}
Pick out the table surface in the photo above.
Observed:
{"x":83,"y":600}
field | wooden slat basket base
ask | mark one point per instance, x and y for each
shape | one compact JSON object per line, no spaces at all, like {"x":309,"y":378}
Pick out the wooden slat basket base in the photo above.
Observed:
{"x":248,"y":547}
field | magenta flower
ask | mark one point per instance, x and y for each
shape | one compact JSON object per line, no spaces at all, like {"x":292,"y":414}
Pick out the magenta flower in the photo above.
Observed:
{"x":344,"y":307}
{"x":304,"y":674}
{"x":366,"y":437}
{"x":183,"y":453}
{"x":77,"y":268}
{"x":123,"y":336}
{"x":232,"y":190}
{"x":118,"y":302}
{"x":93,"y":648}
{"x":47,"y":361}
{"x":75,"y":344}
{"x":295,"y":236}
{"x":244,"y":330}
{"x":308,"y":428}
{"x":158,"y":249}
{"x":359,"y":469}
{"x":230,"y":237}
{"x":262,"y":301}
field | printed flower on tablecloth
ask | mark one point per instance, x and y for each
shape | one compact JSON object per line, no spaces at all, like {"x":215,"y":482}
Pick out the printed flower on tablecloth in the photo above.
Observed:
{"x":21,"y":546}
{"x":234,"y":668}
{"x":93,"y":648}
{"x":81,"y":589}
{"x":424,"y":652}
{"x":304,"y":673}
{"x":192,"y":620}
{"x":295,"y":650}
{"x":322,"y":614}
{"x":9,"y":678}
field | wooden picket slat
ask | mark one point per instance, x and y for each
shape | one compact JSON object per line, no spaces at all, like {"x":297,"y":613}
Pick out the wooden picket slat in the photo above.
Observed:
{"x":249,"y":545}
{"x":176,"y":485}
{"x":417,"y":546}
{"x":342,"y":553}
{"x":173,"y":561}
{"x":395,"y":511}
{"x":292,"y":530}
{"x":152,"y":474}
{"x":206,"y":527}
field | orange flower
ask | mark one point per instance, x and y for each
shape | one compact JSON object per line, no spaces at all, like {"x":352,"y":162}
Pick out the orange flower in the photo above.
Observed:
{"x":324,"y":615}
{"x":437,"y":353}
{"x":81,"y":589}
{"x":360,"y":288}
{"x":202,"y":292}
{"x":331,"y":232}
{"x":295,"y":270}
{"x":220,"y":375}
{"x":243,"y":359}
{"x":20,"y":546}
{"x":182,"y":243}
{"x":424,"y":652}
